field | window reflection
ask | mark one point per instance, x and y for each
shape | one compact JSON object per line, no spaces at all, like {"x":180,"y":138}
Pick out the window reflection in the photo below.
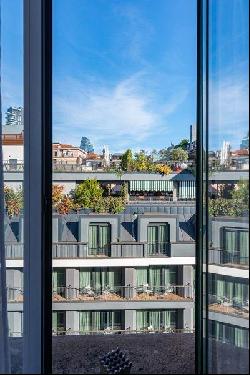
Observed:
{"x":228,"y":183}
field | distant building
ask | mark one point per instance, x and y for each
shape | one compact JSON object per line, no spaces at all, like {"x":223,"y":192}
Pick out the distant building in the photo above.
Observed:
{"x":225,"y":153}
{"x":68,"y":154}
{"x":245,"y":142}
{"x":13,"y":152}
{"x":192,"y":138}
{"x":240,"y":159}
{"x":106,"y":156}
{"x":86,"y":145}
{"x":14,"y":116}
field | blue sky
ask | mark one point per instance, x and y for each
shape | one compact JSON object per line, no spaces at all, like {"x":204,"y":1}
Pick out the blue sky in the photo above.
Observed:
{"x":124,"y":71}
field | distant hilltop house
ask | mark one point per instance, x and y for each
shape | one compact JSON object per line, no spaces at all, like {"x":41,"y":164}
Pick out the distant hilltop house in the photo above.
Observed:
{"x":240,"y":159}
{"x":68,"y":154}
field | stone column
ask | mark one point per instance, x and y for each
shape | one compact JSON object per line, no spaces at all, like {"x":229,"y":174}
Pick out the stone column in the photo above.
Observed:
{"x":185,"y":278}
{"x":72,"y":283}
{"x":21,"y":229}
{"x":72,"y":322}
{"x":55,"y":236}
{"x":188,"y":318}
{"x":15,"y":323}
{"x":130,"y":320}
{"x":55,"y":229}
{"x":129,"y":282}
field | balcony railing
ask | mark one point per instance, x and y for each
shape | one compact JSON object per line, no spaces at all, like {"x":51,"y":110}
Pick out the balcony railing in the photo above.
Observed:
{"x":14,"y":294}
{"x":171,"y":293}
{"x":219,"y":256}
{"x":14,"y":250}
{"x":13,"y":167}
{"x":118,"y":330}
{"x":129,"y":249}
{"x":158,"y":248}
{"x":104,"y":251}
{"x":69,"y":250}
{"x":233,"y":307}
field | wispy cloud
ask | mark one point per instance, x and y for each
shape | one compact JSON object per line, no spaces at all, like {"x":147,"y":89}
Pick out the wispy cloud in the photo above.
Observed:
{"x":122,"y":115}
{"x":229,"y":109}
{"x":136,"y":33}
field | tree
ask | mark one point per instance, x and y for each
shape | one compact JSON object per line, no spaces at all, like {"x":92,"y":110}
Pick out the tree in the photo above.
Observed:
{"x":13,"y":201}
{"x":127,"y":161}
{"x":183,"y":144}
{"x":86,"y":145}
{"x":241,"y":193}
{"x":65,"y":205}
{"x":163,"y":169}
{"x":87,"y":194}
{"x":178,"y":155}
{"x":62,"y":203}
{"x":57,"y":194}
{"x":114,"y":205}
{"x":165,"y":154}
{"x":154,"y":155}
{"x":141,"y":162}
{"x":225,"y":207}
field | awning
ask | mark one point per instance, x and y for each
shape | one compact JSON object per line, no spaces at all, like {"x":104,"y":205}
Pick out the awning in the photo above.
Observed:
{"x":154,"y":185}
{"x":187,"y":189}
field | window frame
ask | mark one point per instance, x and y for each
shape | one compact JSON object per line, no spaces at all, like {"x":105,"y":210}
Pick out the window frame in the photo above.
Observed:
{"x":99,"y":225}
{"x":37,"y":26}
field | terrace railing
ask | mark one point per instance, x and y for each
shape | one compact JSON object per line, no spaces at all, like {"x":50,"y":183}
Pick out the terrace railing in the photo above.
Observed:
{"x":70,"y":250}
{"x":171,"y":293}
{"x":219,"y":256}
{"x":224,"y":305}
{"x":13,"y":167}
{"x":14,"y":294}
{"x":158,"y":248}
{"x":14,"y":250}
{"x":117,"y":330}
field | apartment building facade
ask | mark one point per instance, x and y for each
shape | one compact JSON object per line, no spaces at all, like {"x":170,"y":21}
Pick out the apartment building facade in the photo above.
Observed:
{"x":134,"y":271}
{"x":130,"y":271}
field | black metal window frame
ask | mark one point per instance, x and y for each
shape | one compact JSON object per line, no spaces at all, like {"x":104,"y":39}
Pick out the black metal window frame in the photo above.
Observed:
{"x":37,"y":326}
{"x":202,"y":167}
{"x":159,"y":249}
{"x":105,"y":250}
{"x":235,"y":254}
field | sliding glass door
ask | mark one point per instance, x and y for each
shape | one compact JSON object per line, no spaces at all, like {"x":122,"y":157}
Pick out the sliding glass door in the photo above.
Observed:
{"x":225,"y":206}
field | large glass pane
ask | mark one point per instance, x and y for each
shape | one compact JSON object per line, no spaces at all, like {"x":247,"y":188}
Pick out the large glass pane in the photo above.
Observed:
{"x":124,"y":156}
{"x":12,"y":167}
{"x":228,"y":183}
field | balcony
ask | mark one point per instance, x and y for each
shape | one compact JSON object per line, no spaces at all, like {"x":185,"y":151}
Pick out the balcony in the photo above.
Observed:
{"x":171,"y":293}
{"x":233,"y":307}
{"x":13,"y":167}
{"x":14,"y":294}
{"x":139,"y":249}
{"x":14,"y":250}
{"x":69,"y":250}
{"x":132,"y":249}
{"x":227,"y":259}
